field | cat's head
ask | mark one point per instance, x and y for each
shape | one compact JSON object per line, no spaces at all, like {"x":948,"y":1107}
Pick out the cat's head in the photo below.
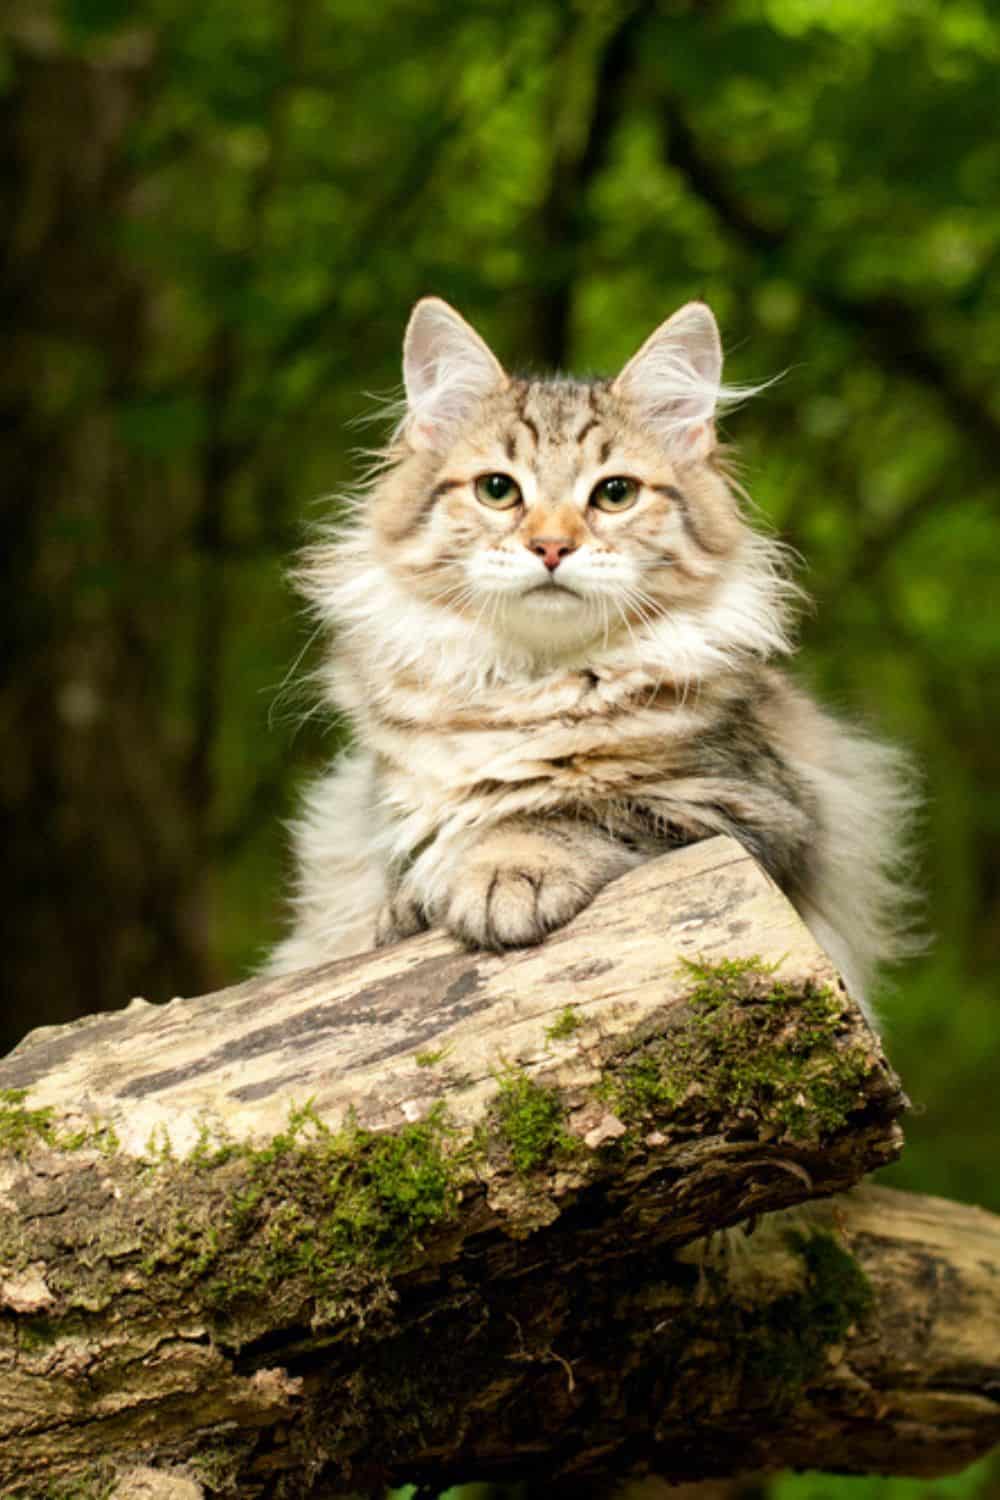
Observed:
{"x":558,"y":516}
{"x":558,"y":509}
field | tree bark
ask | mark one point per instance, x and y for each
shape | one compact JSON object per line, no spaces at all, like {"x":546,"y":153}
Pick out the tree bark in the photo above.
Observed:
{"x":428,"y":1215}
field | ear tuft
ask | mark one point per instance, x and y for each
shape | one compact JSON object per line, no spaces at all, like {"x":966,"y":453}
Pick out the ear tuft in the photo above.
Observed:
{"x":447,"y":370}
{"x":676,"y":379}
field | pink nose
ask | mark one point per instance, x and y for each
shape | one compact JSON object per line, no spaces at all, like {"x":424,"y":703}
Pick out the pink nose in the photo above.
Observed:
{"x":552,"y":550}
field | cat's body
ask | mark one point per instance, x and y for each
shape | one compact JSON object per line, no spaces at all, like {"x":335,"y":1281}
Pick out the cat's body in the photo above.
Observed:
{"x":554,"y":629}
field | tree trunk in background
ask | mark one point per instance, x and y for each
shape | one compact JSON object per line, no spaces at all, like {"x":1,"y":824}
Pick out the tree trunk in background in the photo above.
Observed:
{"x":100,"y":891}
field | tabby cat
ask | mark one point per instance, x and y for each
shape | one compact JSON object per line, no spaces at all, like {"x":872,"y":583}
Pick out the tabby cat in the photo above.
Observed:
{"x":554,"y":629}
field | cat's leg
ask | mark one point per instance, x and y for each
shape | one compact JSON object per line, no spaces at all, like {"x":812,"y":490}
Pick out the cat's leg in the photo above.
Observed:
{"x":510,"y":885}
{"x":341,"y":882}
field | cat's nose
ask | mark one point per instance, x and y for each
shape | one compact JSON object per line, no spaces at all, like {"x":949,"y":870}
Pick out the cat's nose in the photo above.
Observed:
{"x":552,"y":549}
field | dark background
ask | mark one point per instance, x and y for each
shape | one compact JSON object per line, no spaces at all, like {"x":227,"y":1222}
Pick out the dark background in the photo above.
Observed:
{"x":216,"y":219}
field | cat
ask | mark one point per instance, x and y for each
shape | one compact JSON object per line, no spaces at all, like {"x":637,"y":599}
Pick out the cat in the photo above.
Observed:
{"x":554,"y":635}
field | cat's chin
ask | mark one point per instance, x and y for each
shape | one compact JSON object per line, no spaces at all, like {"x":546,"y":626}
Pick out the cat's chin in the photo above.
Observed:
{"x":551,"y":596}
{"x":551,"y":621}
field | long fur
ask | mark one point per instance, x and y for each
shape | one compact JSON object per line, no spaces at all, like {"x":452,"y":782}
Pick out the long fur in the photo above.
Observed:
{"x":515,"y":748}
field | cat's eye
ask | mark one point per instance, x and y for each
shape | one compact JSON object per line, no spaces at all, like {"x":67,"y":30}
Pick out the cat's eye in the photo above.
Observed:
{"x":497,"y":491}
{"x":616,"y":493}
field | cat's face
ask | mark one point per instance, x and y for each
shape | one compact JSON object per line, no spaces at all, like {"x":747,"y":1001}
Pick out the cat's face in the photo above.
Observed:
{"x":558,"y":512}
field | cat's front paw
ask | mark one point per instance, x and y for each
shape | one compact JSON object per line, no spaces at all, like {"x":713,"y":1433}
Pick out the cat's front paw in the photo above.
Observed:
{"x":512,"y":906}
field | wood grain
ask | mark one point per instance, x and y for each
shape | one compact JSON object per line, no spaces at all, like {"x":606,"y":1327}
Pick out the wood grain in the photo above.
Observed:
{"x":348,"y":1035}
{"x":543,"y":1322}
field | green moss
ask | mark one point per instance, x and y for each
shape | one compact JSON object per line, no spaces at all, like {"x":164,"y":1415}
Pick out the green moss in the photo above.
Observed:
{"x":209,"y":1151}
{"x":750,"y":1045}
{"x":312,"y":1204}
{"x":305,"y":1214}
{"x":37,"y":1333}
{"x":97,"y":1484}
{"x":565,"y":1025}
{"x":21,"y":1128}
{"x":431,"y":1057}
{"x":530,"y":1121}
{"x":159,"y":1148}
{"x":387,"y":1189}
{"x":643,"y":1089}
{"x":217,"y":1467}
{"x":839,"y":1292}
{"x":775,"y":1347}
{"x":790,"y":1343}
{"x":314,"y":1214}
{"x":103,"y":1138}
{"x":715,"y":983}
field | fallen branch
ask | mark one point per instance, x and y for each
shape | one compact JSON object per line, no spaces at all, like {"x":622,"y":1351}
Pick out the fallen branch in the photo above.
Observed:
{"x":414,"y":1215}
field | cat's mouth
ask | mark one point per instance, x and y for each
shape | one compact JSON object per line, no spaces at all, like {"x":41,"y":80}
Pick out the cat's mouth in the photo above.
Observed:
{"x":551,"y":588}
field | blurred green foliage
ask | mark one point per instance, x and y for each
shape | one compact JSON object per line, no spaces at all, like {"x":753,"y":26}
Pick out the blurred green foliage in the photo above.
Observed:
{"x":982,"y":1480}
{"x":219,"y":217}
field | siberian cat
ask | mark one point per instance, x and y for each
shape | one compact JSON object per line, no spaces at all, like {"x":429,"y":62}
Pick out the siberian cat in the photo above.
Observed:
{"x":554,"y":628}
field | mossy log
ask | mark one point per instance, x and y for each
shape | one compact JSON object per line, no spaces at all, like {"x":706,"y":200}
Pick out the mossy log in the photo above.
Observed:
{"x":419,"y":1214}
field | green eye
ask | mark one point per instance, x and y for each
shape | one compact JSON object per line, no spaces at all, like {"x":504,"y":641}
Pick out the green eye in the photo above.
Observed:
{"x":497,"y":490}
{"x":616,"y":493}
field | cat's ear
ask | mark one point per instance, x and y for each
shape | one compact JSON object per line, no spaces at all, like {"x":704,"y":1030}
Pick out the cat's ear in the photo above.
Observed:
{"x":447,"y":370}
{"x":676,"y":379}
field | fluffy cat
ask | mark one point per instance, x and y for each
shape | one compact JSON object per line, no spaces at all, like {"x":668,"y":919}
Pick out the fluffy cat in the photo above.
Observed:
{"x":554,"y":629}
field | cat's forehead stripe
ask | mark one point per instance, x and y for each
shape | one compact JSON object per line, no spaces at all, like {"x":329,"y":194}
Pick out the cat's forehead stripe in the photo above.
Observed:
{"x":557,"y":412}
{"x":594,"y":420}
{"x":523,"y":417}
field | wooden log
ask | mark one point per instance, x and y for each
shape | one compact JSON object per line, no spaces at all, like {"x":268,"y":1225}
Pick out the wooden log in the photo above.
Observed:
{"x":860,"y":1334}
{"x":230,"y":1224}
{"x":386,"y":1034}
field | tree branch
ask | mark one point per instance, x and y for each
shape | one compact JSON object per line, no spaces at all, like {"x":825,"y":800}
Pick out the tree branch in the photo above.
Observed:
{"x":403,"y":1214}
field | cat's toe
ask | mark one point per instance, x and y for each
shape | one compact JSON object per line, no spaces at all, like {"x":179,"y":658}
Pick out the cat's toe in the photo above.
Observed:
{"x":512,"y":907}
{"x":399,"y":918}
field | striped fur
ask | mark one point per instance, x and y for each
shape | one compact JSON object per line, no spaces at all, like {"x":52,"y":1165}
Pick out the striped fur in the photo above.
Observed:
{"x":524,"y":736}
